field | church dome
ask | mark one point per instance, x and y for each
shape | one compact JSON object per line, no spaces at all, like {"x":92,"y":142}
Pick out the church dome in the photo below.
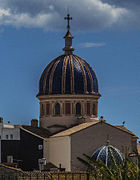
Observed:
{"x":108,"y":155}
{"x":68,"y":74}
{"x":68,"y":87}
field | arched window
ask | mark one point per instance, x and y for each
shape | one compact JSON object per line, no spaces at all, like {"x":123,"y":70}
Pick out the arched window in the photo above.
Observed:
{"x":78,"y":109}
{"x":93,"y":109}
{"x":57,"y":109}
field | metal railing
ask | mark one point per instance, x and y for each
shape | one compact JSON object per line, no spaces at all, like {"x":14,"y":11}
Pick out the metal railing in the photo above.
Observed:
{"x":8,"y":173}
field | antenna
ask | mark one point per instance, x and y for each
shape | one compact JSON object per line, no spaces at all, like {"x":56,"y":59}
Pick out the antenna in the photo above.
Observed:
{"x":123,"y":123}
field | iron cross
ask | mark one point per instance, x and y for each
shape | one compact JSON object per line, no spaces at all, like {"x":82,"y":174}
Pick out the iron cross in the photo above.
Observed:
{"x":68,"y":18}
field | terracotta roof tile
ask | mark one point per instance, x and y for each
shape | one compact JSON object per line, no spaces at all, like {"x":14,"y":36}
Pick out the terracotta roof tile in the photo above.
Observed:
{"x":75,"y":129}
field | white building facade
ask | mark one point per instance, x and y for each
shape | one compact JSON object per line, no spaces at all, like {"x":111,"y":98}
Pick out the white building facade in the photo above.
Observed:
{"x":8,"y":132}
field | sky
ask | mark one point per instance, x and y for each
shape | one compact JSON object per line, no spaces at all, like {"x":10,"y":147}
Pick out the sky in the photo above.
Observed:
{"x":106,"y":34}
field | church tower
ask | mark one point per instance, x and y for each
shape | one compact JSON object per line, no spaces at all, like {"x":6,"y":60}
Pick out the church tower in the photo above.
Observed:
{"x":68,"y":90}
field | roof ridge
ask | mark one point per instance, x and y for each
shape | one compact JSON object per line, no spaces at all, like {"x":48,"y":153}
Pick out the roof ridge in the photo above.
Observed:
{"x":124,"y":129}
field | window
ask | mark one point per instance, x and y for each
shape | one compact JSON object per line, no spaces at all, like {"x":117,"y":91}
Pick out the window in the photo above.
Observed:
{"x":88,"y":108}
{"x":6,"y":136}
{"x":57,"y":109}
{"x":78,"y":109}
{"x":47,"y":109}
{"x":42,"y":110}
{"x":11,"y":136}
{"x":40,"y":147}
{"x":67,"y":108}
{"x":93,"y":109}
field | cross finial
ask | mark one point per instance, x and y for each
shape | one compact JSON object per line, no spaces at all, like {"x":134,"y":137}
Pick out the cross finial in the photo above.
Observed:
{"x":68,"y":18}
{"x":68,"y":37}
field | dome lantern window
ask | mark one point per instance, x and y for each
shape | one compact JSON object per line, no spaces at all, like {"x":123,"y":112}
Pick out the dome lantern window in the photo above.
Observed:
{"x":78,"y":109}
{"x":57,"y":109}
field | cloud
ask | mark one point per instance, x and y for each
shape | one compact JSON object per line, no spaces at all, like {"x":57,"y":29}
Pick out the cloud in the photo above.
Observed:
{"x":91,"y":44}
{"x":49,"y":14}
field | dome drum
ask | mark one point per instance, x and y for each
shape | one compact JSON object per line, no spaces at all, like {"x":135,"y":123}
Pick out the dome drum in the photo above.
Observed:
{"x":67,"y":110}
{"x":68,"y":107}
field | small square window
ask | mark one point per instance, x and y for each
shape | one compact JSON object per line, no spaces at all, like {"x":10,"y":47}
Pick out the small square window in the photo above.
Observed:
{"x":11,"y":136}
{"x":6,"y":136}
{"x":40,"y":147}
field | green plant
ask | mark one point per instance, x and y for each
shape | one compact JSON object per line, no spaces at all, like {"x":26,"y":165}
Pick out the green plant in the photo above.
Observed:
{"x":126,"y":170}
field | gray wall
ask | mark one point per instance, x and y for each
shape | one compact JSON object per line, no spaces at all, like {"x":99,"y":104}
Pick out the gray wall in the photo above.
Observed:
{"x":89,"y":139}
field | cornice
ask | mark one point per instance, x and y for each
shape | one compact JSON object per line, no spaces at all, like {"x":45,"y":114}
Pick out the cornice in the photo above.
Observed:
{"x":69,"y":96}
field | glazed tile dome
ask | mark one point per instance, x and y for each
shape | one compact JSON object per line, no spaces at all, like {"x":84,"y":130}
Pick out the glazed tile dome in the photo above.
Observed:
{"x":108,"y":155}
{"x":68,"y":74}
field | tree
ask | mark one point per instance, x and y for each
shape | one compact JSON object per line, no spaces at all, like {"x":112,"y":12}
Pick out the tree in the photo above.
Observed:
{"x":127,"y":170}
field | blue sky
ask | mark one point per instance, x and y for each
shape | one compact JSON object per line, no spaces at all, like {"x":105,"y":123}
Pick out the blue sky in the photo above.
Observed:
{"x":106,"y":35}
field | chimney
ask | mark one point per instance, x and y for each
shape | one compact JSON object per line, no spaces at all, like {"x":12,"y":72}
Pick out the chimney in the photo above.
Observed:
{"x":34,"y":123}
{"x":1,"y":120}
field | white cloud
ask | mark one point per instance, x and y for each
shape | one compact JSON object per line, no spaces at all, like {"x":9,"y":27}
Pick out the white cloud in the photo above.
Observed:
{"x":49,"y":14}
{"x":91,"y":44}
{"x":4,"y":12}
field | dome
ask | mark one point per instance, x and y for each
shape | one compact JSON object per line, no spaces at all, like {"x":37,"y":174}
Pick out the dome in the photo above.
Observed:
{"x":108,"y":155}
{"x":68,"y":74}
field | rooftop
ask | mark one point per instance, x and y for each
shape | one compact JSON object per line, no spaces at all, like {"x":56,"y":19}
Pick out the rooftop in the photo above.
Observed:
{"x":82,"y":126}
{"x":125,"y":129}
{"x":75,"y":129}
{"x":37,"y":131}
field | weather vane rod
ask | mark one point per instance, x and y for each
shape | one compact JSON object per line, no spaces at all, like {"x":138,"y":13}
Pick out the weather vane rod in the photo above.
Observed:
{"x":68,"y":18}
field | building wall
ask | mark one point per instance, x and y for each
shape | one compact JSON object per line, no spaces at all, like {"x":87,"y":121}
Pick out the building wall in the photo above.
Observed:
{"x":29,"y":150}
{"x":7,"y":133}
{"x":60,"y":152}
{"x":10,"y":148}
{"x":46,"y":149}
{"x":60,"y":120}
{"x":26,"y":151}
{"x":88,"y":140}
